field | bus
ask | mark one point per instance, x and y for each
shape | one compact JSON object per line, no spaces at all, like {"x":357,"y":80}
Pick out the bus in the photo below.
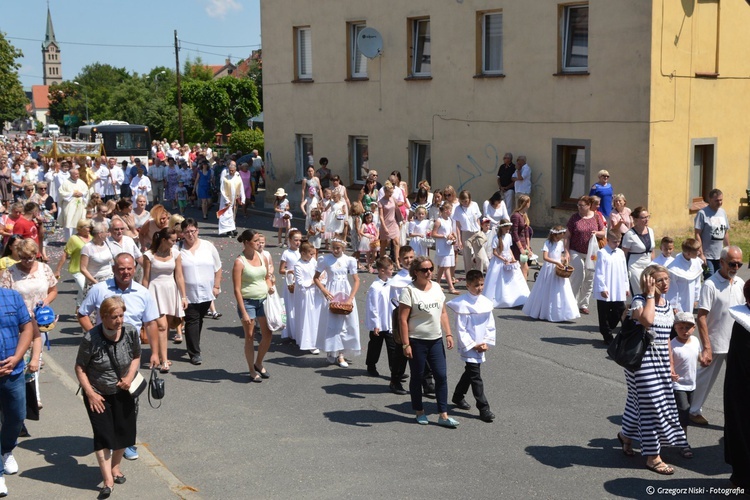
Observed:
{"x":121,"y":140}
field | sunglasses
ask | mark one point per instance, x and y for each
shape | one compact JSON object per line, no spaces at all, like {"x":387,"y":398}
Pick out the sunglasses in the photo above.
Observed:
{"x":425,"y":269}
{"x":734,"y":265}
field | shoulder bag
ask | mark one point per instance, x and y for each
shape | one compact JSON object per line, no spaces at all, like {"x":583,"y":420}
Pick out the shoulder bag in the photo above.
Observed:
{"x":629,"y":346}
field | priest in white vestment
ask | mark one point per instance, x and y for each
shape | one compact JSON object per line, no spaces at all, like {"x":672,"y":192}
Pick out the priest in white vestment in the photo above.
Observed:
{"x":232,"y":195}
{"x":74,"y":196}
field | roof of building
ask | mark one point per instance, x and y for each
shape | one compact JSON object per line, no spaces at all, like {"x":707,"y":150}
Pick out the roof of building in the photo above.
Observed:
{"x":49,"y":37}
{"x":40,"y":96}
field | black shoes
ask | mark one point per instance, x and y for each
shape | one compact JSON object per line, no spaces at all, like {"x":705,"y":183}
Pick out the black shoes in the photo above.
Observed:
{"x":196,"y":360}
{"x":397,"y":389}
{"x":119,"y":479}
{"x":486,"y":415}
{"x":608,"y":339}
{"x":373,"y":372}
{"x":461,"y":403}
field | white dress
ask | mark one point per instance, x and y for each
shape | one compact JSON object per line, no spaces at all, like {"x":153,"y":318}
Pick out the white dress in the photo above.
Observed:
{"x":417,"y":242}
{"x":336,"y":218}
{"x":504,"y":284}
{"x":338,"y":332}
{"x":639,"y":256}
{"x":307,"y":304}
{"x":291,"y":257}
{"x":446,"y":256}
{"x":552,"y":298}
{"x":163,"y":286}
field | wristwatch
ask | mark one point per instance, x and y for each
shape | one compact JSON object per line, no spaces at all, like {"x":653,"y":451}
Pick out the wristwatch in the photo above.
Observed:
{"x":405,"y":346}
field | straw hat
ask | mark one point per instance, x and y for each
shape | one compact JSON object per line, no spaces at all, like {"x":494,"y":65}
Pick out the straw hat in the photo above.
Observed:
{"x":280,"y":192}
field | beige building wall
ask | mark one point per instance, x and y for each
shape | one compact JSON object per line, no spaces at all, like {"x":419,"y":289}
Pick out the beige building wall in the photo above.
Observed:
{"x":691,"y":105}
{"x":470,"y":122}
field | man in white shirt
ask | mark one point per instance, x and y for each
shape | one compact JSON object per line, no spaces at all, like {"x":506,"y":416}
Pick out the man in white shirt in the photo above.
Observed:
{"x":100,"y":175}
{"x":118,"y":242}
{"x":114,"y":179}
{"x":156,"y":175}
{"x":521,"y":178}
{"x":719,"y":292}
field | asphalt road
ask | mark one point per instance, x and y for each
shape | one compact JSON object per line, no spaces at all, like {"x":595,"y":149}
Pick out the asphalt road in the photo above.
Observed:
{"x":315,"y":430}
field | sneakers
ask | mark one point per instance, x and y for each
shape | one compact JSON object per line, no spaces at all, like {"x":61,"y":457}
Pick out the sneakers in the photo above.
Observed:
{"x":214,"y":315}
{"x":698,"y":419}
{"x":131,"y":453}
{"x":10,"y":464}
{"x":3,"y":487}
{"x":449,"y":422}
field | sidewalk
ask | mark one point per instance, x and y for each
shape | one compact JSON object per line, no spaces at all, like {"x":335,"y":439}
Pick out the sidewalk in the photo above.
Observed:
{"x":58,"y":461}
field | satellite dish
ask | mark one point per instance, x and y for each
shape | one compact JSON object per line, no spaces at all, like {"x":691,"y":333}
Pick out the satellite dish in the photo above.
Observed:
{"x":370,"y":43}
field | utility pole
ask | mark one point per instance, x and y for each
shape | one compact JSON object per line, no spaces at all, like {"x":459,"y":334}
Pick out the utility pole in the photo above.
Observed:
{"x":179,"y":88}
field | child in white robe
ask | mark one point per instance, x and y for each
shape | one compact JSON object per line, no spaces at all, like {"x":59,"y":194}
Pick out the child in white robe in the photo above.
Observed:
{"x":307,"y":300}
{"x":685,"y":273}
{"x":378,"y":317}
{"x":316,"y":229}
{"x":288,"y":260}
{"x":665,"y":257}
{"x":610,"y":285}
{"x":418,"y":229}
{"x":552,"y":297}
{"x":505,"y":285}
{"x":475,"y":332}
{"x":338,"y":334}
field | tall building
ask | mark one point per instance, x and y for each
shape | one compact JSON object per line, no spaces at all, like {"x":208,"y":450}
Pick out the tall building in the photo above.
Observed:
{"x":51,"y":62}
{"x":653,"y":91}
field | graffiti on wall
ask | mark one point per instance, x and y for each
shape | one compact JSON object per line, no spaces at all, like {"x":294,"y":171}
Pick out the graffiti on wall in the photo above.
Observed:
{"x":270,"y":168}
{"x":475,"y":170}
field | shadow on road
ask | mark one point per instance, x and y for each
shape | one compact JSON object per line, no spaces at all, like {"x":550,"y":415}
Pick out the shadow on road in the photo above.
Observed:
{"x":359,"y":391}
{"x":214,"y":376}
{"x":594,"y":342}
{"x":64,"y":469}
{"x":364,"y":418}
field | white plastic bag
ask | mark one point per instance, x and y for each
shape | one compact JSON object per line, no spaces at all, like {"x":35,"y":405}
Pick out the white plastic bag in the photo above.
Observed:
{"x":275,"y":313}
{"x":591,"y":254}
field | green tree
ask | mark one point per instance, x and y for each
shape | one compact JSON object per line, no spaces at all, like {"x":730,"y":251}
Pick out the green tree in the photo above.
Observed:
{"x":65,"y":98}
{"x":222,"y":105}
{"x":97,"y":83}
{"x":247,"y":140}
{"x":13,"y":100}
{"x":255,"y":73}
{"x":197,"y":70}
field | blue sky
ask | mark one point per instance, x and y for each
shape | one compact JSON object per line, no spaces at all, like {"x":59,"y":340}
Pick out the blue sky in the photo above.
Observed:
{"x":232,"y":26}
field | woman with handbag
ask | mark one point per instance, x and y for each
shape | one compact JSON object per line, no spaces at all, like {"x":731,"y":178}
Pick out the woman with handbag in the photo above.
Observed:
{"x":422,"y":320}
{"x":650,"y":410}
{"x":639,"y":245}
{"x":253,"y":282}
{"x":389,"y":222}
{"x":338,"y":332}
{"x":582,"y":226}
{"x":106,"y":365}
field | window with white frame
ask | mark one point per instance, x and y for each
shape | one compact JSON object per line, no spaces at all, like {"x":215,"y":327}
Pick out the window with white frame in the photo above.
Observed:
{"x":303,"y":54}
{"x":421,"y":163}
{"x":575,"y":38}
{"x":571,"y":163}
{"x":359,"y":158}
{"x":303,"y":154}
{"x":358,"y":61}
{"x":702,"y":169}
{"x":492,"y":43}
{"x":420,"y":47}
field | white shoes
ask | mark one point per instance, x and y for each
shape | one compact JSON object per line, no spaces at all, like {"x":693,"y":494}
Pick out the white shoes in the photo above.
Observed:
{"x":342,"y":362}
{"x":9,"y":463}
{"x":314,"y":351}
{"x":3,"y":487}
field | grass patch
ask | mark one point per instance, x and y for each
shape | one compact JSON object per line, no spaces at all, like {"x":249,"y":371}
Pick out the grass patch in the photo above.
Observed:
{"x":739,"y":235}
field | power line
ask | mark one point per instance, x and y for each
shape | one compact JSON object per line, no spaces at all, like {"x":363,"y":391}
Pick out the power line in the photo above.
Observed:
{"x":222,"y":46}
{"x":95,"y":44}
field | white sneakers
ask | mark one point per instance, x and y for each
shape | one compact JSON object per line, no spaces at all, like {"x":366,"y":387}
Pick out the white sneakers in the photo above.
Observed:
{"x":314,"y":351}
{"x":3,"y":488}
{"x":10,"y":464}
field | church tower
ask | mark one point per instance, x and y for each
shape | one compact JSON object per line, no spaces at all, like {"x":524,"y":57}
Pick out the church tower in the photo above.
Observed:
{"x":51,"y":55}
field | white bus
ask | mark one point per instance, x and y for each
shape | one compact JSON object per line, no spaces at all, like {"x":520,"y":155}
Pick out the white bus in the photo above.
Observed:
{"x":121,"y":140}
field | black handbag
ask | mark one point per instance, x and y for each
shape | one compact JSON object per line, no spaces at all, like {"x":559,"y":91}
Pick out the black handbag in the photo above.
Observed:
{"x":155,"y":388}
{"x":629,"y":346}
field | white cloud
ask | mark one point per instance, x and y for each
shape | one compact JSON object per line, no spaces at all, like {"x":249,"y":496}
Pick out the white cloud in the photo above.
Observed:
{"x":220,"y":8}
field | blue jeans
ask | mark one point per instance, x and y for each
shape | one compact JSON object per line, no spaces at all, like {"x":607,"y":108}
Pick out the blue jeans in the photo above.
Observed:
{"x":13,"y":406}
{"x":432,"y":352}
{"x":713,"y":266}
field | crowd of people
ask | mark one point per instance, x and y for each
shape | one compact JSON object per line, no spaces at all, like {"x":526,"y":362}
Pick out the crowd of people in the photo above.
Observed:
{"x":142,"y":273}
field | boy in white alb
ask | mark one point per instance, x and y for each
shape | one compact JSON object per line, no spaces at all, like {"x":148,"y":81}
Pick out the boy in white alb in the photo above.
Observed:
{"x":475,"y":331}
{"x":307,"y":300}
{"x":665,"y":257}
{"x":685,"y":272}
{"x":378,"y":317}
{"x":686,"y":349}
{"x":610,"y":285}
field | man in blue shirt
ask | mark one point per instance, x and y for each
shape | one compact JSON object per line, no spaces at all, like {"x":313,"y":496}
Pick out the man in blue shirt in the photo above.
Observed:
{"x":15,"y":338}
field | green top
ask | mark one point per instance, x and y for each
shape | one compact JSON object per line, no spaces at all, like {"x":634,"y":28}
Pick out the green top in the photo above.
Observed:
{"x":73,"y":251}
{"x":254,"y":284}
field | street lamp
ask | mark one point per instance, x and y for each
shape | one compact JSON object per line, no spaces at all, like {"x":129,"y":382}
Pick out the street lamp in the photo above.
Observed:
{"x":156,"y":78}
{"x":86,"y":98}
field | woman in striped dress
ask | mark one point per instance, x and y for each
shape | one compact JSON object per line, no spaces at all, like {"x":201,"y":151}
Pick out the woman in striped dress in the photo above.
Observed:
{"x":650,"y":410}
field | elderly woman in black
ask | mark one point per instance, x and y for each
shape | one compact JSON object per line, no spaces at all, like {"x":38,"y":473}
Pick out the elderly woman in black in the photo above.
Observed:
{"x":107,"y":362}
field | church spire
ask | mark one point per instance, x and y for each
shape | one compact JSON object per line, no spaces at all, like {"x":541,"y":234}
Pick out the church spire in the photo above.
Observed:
{"x":49,"y":37}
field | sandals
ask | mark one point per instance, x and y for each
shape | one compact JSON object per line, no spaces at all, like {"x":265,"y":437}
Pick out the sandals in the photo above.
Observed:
{"x":262,"y":371}
{"x":164,"y":368}
{"x":661,"y":468}
{"x":178,"y":339}
{"x":686,"y":452}
{"x":453,"y":291}
{"x":627,"y":446}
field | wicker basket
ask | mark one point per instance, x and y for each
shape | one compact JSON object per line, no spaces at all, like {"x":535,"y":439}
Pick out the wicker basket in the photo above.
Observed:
{"x":564,"y":272}
{"x":341,"y":308}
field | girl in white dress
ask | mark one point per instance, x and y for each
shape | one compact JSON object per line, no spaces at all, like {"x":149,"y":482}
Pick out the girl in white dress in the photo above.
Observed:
{"x":444,"y":233}
{"x":337,"y":216}
{"x":307,"y":300}
{"x":368,"y":240}
{"x":552,"y":298}
{"x":504,"y":283}
{"x":316,"y":230}
{"x":418,"y":229}
{"x":282,"y":218}
{"x":286,"y":269}
{"x":338,"y":334}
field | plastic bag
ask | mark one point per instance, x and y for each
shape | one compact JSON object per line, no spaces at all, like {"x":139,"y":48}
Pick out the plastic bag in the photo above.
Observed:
{"x":591,"y":254}
{"x":275,"y":313}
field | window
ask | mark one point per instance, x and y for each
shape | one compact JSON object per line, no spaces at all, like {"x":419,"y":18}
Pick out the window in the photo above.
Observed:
{"x":421,"y":163}
{"x":357,"y":60}
{"x":575,"y":39}
{"x":571,"y":164}
{"x":702,"y":169}
{"x":420,"y":50}
{"x":303,"y":54}
{"x":303,"y":155}
{"x":706,"y":45}
{"x":492,"y":43}
{"x":359,"y":158}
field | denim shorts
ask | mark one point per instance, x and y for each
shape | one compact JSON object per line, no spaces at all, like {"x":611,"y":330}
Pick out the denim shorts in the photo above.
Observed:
{"x":253,"y":307}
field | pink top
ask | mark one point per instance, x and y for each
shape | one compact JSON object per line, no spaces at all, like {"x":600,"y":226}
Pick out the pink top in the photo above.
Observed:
{"x":615,"y":217}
